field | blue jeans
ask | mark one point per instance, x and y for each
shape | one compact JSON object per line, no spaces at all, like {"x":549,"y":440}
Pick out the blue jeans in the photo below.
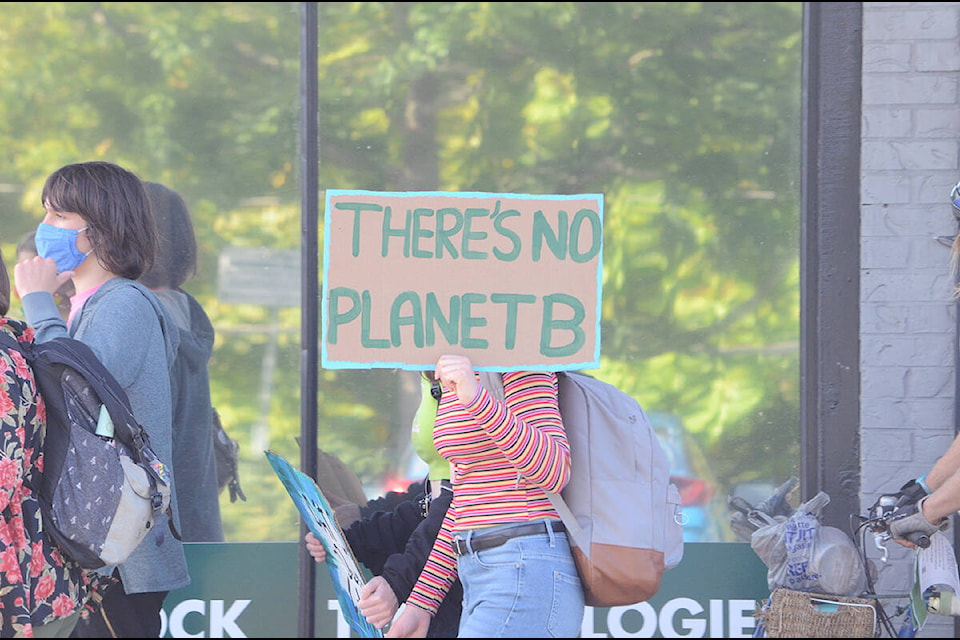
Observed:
{"x":527,"y":587}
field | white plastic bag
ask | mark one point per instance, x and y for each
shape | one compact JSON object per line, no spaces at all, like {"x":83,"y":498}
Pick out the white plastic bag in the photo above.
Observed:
{"x":802,"y":554}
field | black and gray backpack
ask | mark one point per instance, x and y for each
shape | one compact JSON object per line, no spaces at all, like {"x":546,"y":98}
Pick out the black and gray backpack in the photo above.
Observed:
{"x":100,"y":495}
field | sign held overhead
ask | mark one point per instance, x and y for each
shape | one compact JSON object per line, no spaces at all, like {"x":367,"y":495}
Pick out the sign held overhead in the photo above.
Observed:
{"x":511,"y":280}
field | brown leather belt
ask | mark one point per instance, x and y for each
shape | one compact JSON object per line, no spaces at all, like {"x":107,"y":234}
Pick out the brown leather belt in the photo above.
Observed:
{"x":481,"y":541}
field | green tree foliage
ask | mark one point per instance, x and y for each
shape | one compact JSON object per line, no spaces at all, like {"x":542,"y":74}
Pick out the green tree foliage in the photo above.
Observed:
{"x":684,"y":115}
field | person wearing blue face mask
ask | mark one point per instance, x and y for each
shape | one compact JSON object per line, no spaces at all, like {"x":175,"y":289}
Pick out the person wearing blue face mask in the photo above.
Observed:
{"x":27,"y":250}
{"x":99,"y":229}
{"x":60,"y":245}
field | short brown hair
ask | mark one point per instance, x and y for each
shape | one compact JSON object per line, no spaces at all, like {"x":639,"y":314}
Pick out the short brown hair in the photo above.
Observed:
{"x":114,"y":204}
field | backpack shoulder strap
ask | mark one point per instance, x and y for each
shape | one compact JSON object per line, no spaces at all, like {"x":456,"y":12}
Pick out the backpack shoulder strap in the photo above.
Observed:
{"x":79,"y":356}
{"x":9,"y":341}
{"x":493,"y":382}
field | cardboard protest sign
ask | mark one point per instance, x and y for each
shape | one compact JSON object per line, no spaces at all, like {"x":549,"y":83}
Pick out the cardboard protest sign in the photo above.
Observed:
{"x":345,"y":573}
{"x":512,"y":281}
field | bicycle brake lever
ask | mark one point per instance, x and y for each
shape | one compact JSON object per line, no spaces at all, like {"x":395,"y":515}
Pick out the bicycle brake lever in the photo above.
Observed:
{"x":879,"y":539}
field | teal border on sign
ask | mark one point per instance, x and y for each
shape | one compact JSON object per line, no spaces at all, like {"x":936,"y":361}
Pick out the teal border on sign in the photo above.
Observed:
{"x":326,"y":362}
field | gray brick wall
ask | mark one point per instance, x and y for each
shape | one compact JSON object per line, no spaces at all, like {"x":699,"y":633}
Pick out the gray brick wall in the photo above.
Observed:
{"x":910,"y":161}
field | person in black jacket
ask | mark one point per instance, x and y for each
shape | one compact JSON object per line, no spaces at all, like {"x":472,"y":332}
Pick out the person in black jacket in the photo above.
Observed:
{"x":394,"y":544}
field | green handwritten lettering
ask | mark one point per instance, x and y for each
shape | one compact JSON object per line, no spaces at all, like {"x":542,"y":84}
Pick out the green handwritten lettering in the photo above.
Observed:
{"x":550,"y":325}
{"x":468,"y":321}
{"x":543,"y":231}
{"x":357,"y":208}
{"x":514,"y":238}
{"x":400,"y":232}
{"x":444,"y":233}
{"x":470,"y":235}
{"x":365,"y":340}
{"x":413,"y":319}
{"x":449,"y":325}
{"x":336,"y":317}
{"x":592,"y":218}
{"x":512,"y":302}
{"x":420,"y":232}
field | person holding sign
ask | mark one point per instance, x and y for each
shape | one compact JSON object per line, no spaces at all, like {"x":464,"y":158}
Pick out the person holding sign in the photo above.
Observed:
{"x":394,"y":543}
{"x":501,"y":535}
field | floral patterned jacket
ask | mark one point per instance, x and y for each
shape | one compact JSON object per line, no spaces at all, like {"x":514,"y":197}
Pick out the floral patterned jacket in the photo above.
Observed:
{"x":38,"y":584}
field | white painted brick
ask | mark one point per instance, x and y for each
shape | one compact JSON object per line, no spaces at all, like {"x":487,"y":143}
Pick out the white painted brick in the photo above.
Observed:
{"x":889,"y":475}
{"x":887,"y":448}
{"x":884,"y":381}
{"x":890,"y":285}
{"x":928,"y":155}
{"x":892,"y":350}
{"x":905,"y":220}
{"x":933,"y":317}
{"x":940,"y":122}
{"x":924,"y":253}
{"x":887,"y":122}
{"x":935,"y":189}
{"x":910,"y":89}
{"x":909,"y":22}
{"x":910,"y":161}
{"x":928,"y":382}
{"x":930,"y":414}
{"x":929,"y":258}
{"x":885,"y":411}
{"x":937,"y":56}
{"x":875,"y":220}
{"x":883,"y":317}
{"x":887,"y":57}
{"x":878,"y":252}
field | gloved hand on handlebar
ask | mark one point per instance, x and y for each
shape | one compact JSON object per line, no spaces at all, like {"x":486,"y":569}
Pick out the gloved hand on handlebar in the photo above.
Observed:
{"x":908,"y":521}
{"x":909,"y":494}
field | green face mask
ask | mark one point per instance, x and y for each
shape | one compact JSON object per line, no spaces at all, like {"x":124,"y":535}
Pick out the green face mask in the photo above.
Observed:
{"x":422,"y":432}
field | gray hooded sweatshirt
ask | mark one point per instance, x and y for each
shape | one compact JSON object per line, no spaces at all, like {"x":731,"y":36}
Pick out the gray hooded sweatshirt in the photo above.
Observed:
{"x":198,"y":494}
{"x":132,"y":334}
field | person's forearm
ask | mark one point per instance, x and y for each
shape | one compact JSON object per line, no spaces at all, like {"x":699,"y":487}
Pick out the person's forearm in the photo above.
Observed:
{"x":945,"y":500}
{"x":945,"y":467}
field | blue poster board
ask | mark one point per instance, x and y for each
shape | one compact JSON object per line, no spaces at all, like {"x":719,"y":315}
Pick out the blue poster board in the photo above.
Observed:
{"x":345,"y":573}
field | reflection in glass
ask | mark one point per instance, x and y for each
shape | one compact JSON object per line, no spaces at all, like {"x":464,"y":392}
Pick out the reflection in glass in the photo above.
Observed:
{"x":684,"y":115}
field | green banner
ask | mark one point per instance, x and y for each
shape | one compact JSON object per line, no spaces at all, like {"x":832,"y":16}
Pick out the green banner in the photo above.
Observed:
{"x":249,"y":590}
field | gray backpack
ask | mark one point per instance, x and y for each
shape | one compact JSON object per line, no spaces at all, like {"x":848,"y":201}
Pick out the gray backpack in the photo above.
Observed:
{"x":620,"y":508}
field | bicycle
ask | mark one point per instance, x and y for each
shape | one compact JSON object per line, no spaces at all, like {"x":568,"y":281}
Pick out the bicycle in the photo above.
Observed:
{"x":811,"y":614}
{"x":931,"y":600}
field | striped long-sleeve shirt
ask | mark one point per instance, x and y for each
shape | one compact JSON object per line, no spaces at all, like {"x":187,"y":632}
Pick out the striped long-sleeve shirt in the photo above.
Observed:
{"x":505,"y":456}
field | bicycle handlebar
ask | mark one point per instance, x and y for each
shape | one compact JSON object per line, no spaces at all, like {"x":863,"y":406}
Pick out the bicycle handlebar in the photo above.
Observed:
{"x":918,"y":538}
{"x":879,"y":521}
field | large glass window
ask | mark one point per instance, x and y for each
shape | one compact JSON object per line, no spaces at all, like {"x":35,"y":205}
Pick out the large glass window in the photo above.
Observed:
{"x":686,"y":116}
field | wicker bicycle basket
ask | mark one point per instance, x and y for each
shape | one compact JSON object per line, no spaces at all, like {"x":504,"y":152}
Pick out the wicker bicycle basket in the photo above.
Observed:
{"x":798,"y":614}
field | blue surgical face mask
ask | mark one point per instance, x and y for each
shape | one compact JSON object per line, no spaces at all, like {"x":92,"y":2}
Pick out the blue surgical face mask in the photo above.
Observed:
{"x":61,"y":245}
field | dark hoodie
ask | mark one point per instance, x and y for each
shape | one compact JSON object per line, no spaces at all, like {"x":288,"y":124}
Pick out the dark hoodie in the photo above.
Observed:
{"x":193,"y":457}
{"x":395,"y":544}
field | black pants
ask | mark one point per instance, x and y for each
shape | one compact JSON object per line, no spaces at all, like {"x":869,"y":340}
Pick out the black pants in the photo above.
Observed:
{"x":123,"y":615}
